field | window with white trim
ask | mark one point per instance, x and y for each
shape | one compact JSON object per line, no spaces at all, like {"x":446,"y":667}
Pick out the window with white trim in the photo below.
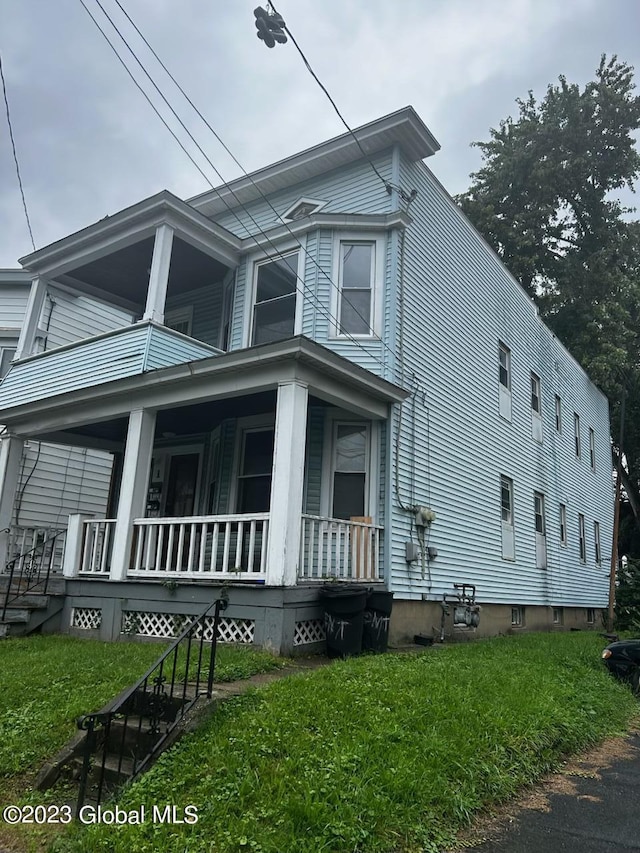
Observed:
{"x":592,"y":448}
{"x":563,"y":524}
{"x":536,"y":400}
{"x":506,"y":508}
{"x":350,"y":466}
{"x":517,"y":616}
{"x":591,"y":615}
{"x":276,"y":290}
{"x":558,"y":615}
{"x":596,"y":542}
{"x":254,"y":477}
{"x":180,"y":319}
{"x":576,"y":433}
{"x":581,"y":537}
{"x":504,"y":380}
{"x":558,"y":414}
{"x":357,"y":287}
{"x":7,"y":354}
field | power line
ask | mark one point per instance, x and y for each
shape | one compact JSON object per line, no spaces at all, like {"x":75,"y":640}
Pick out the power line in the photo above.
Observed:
{"x":15,"y":155}
{"x":326,"y":312}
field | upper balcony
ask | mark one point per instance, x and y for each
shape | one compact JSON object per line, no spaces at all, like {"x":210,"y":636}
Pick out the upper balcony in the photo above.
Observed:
{"x":101,"y":299}
{"x":117,"y":354}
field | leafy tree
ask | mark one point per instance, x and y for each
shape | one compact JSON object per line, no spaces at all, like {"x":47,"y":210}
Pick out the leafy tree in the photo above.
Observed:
{"x":545,"y":201}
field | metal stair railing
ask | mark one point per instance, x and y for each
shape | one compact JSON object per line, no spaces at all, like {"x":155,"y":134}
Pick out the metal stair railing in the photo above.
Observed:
{"x":29,"y":570}
{"x":131,"y":730}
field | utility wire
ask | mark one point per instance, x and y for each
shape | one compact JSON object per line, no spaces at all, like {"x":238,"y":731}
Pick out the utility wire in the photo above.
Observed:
{"x":327,"y":313}
{"x":387,"y":184}
{"x":15,"y":155}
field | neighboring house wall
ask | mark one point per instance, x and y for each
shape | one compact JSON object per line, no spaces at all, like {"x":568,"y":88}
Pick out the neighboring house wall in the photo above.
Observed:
{"x":460,"y":302}
{"x":55,"y":480}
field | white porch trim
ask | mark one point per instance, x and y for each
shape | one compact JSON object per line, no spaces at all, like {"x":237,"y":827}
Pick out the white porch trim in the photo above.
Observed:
{"x":133,"y":489}
{"x":27,"y":340}
{"x":10,"y":456}
{"x":159,"y":274}
{"x":287,"y":484}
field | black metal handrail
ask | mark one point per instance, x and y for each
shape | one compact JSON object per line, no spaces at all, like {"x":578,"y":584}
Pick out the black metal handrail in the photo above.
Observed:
{"x":132,"y":729}
{"x":29,"y":570}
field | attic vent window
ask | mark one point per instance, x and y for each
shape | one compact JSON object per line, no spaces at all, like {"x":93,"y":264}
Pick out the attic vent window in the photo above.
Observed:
{"x":302,"y":208}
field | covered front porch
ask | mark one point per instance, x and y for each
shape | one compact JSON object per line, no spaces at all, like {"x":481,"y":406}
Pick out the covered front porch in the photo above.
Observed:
{"x":263,"y":466}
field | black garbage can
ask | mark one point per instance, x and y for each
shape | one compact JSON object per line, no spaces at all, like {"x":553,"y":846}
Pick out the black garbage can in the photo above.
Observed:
{"x":377,"y":615}
{"x":343,"y":618}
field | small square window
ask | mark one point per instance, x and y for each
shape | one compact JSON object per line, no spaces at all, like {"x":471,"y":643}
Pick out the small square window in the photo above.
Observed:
{"x":591,"y":615}
{"x":558,"y":616}
{"x":517,"y":617}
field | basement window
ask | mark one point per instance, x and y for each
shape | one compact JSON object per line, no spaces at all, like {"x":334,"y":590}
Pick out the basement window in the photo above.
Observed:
{"x":517,"y":617}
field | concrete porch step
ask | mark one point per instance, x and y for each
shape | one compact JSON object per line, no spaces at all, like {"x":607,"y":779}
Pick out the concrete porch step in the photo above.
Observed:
{"x":55,"y":586}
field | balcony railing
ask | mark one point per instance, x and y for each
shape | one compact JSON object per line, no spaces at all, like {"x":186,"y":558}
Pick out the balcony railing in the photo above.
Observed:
{"x":335,"y":548}
{"x":220,"y":546}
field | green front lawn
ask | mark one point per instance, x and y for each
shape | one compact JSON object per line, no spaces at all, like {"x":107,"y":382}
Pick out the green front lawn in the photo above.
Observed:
{"x":390,"y":753}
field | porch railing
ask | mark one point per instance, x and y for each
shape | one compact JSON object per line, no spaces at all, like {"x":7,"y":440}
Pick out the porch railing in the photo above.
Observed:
{"x":230,"y":546}
{"x":30,"y":571}
{"x":335,"y":548}
{"x":24,"y":539}
{"x":97,"y":540}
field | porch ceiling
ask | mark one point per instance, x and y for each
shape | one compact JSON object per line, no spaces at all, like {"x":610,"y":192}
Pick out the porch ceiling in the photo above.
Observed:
{"x":232,"y":375}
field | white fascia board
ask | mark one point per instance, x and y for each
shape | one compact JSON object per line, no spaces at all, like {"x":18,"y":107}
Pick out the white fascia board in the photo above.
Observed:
{"x":15,"y":277}
{"x":232,"y":374}
{"x":129,"y":226}
{"x":402,"y":127}
{"x":375,"y":222}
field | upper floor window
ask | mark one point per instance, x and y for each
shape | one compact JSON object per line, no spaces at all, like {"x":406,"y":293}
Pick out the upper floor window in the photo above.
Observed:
{"x":357,"y":278}
{"x":558,"y":414}
{"x":536,"y":401}
{"x":274,"y":311}
{"x":6,"y":357}
{"x":180,"y":320}
{"x":506,"y":503}
{"x":563,"y":524}
{"x":504,"y":366}
{"x":592,"y":448}
{"x":504,"y":379}
{"x":576,"y":432}
{"x":596,"y":542}
{"x":583,"y":541}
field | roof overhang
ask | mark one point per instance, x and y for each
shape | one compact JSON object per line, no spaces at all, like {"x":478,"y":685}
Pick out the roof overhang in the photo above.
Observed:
{"x":403,"y":127}
{"x":328,"y":376}
{"x":129,"y":226}
{"x":15,"y":277}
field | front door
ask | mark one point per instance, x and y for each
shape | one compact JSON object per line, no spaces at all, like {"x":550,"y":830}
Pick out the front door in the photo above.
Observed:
{"x":181,"y":485}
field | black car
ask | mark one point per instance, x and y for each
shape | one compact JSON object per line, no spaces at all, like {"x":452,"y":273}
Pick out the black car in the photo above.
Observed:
{"x":622,"y":659}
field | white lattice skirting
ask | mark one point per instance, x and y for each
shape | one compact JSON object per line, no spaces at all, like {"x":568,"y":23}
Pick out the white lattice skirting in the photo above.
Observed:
{"x":86,"y":618}
{"x":169,"y":625}
{"x":309,"y":631}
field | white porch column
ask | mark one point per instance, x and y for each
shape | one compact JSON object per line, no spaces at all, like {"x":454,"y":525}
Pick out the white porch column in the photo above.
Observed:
{"x":29,"y":329}
{"x":10,"y":455}
{"x":73,"y":545}
{"x":285,"y":523}
{"x":133,"y":487}
{"x":159,"y":274}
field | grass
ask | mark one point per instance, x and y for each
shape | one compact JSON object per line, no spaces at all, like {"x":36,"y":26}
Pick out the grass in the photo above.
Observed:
{"x":390,"y":753}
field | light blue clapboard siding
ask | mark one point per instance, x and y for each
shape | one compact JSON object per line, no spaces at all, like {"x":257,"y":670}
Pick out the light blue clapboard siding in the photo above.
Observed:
{"x":241,"y":298}
{"x":69,"y":317}
{"x":126,"y":352}
{"x":56,"y":481}
{"x":207,"y":310}
{"x":355,"y":189}
{"x":166,"y":348}
{"x":13,"y":302}
{"x":459,"y":302}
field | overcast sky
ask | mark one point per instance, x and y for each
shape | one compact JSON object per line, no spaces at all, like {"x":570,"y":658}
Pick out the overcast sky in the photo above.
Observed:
{"x":88,"y":143}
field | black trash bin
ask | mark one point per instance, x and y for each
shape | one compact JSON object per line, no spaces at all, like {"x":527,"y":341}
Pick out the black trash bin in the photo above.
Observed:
{"x":377,"y":615}
{"x":343,"y":618}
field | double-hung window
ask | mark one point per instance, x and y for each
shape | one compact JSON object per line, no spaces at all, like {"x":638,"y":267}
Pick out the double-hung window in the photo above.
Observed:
{"x":274,"y":310}
{"x":357,"y":274}
{"x":254,"y":477}
{"x":582,"y":539}
{"x":350,"y":465}
{"x":558,"y":414}
{"x":563,"y":524}
{"x":536,"y":407}
{"x":506,"y":506}
{"x":592,"y":448}
{"x":504,"y":379}
{"x":576,"y":434}
{"x":596,"y":542}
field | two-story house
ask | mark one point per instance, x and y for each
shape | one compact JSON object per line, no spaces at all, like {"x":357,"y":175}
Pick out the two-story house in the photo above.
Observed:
{"x":329,"y":375}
